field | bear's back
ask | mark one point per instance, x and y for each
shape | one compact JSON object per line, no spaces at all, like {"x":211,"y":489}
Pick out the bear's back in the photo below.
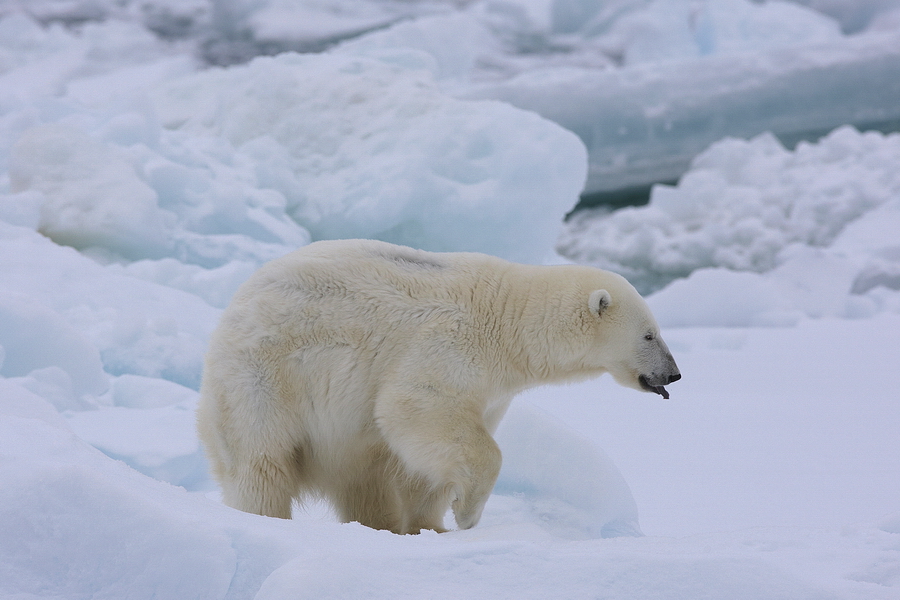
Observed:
{"x":373,"y":269}
{"x":344,"y":289}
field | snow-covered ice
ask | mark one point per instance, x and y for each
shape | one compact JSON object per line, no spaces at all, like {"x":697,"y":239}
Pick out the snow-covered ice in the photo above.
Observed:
{"x":370,"y":148}
{"x":827,"y":211}
{"x":643,"y":123}
{"x":647,"y":85}
{"x":251,"y":161}
{"x":139,"y":187}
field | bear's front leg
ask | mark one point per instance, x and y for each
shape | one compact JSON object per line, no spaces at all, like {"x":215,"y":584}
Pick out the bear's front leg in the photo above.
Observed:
{"x":482,"y":466}
{"x":440,"y":435}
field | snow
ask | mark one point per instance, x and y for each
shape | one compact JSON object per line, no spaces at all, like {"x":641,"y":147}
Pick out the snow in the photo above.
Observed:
{"x":365,"y":148}
{"x":729,"y":211}
{"x":796,"y":418}
{"x":644,"y":123}
{"x":252,"y":161}
{"x":76,"y":523}
{"x":139,"y":187}
{"x":673,"y":29}
{"x":647,"y":85}
{"x":755,"y":234}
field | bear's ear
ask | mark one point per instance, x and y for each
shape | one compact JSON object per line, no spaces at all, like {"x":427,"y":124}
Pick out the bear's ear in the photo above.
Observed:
{"x":598,"y":301}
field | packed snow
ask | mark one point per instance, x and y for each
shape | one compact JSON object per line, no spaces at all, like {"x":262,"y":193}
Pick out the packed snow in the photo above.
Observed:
{"x":826,"y":213}
{"x":647,"y":85}
{"x":140,"y":184}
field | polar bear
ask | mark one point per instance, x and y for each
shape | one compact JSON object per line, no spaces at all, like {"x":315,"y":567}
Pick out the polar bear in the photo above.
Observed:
{"x":374,"y":375}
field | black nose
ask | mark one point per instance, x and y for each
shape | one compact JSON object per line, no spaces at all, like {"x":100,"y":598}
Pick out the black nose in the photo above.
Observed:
{"x":674,"y":377}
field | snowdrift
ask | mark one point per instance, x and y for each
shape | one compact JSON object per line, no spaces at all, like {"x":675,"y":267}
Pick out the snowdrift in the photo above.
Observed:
{"x":139,"y":187}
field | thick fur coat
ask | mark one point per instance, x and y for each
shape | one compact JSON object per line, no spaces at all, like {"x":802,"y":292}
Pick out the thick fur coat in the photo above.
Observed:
{"x":374,"y":375}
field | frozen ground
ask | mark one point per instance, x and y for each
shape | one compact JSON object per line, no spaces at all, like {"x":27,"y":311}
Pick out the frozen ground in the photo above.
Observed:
{"x":139,"y":188}
{"x":772,"y":471}
{"x":646,"y":84}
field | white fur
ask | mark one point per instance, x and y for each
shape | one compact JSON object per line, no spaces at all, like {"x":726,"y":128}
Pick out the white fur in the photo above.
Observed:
{"x":374,"y":375}
{"x":599,"y":300}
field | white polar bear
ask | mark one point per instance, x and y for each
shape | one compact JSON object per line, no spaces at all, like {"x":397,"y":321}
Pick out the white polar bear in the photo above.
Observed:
{"x":374,"y":375}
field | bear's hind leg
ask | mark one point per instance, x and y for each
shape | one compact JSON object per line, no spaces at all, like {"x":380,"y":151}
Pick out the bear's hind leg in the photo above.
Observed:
{"x":266,"y":486}
{"x":424,"y":505}
{"x":371,"y":497}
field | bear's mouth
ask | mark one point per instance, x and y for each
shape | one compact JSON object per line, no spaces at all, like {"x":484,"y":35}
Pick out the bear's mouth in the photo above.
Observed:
{"x":656,"y":389}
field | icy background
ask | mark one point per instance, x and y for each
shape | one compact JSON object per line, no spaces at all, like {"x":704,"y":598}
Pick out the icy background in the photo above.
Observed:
{"x":153,"y":154}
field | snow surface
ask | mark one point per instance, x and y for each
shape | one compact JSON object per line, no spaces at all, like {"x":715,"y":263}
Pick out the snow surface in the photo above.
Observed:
{"x":255,"y":160}
{"x":824,"y":217}
{"x":139,"y":188}
{"x":647,"y":85}
{"x":644,"y":123}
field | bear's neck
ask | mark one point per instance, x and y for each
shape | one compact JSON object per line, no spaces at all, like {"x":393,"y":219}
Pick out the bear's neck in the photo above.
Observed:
{"x":534,"y":313}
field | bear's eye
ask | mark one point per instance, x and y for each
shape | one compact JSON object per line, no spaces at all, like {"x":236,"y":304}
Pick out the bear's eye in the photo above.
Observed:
{"x":649,"y":337}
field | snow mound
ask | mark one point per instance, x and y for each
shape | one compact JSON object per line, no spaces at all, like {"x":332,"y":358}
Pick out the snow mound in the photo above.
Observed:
{"x":92,"y":196}
{"x":80,"y":314}
{"x":567,"y":484}
{"x":741,"y":204}
{"x":35,"y":337}
{"x":644,"y":123}
{"x":74,"y":524}
{"x":131,"y":201}
{"x":811,"y":219}
{"x":665,"y":30}
{"x":135,"y":159}
{"x":362,"y":148}
{"x":158,"y":442}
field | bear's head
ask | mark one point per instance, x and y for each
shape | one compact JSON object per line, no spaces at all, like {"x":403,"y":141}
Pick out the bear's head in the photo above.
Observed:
{"x":626,"y":341}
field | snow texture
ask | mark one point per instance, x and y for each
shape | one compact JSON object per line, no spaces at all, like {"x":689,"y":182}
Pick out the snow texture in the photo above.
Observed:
{"x":755,"y":207}
{"x":644,"y":123}
{"x":139,"y":186}
{"x":647,"y":85}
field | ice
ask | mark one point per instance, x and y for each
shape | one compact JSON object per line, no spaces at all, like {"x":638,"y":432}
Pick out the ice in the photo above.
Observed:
{"x":648,"y":85}
{"x":158,"y":442}
{"x":149,"y":424}
{"x":169,"y":19}
{"x":246,"y":28}
{"x":214,"y":169}
{"x":854,"y":15}
{"x":368,"y":148}
{"x":38,"y":62}
{"x":645,"y":123}
{"x":817,"y":220}
{"x":569,"y":485}
{"x":83,"y":184}
{"x":215,"y":286}
{"x":453,"y":42}
{"x":34,"y":336}
{"x":172,"y":209}
{"x":666,"y":30}
{"x":137,"y":327}
{"x":139,"y":188}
